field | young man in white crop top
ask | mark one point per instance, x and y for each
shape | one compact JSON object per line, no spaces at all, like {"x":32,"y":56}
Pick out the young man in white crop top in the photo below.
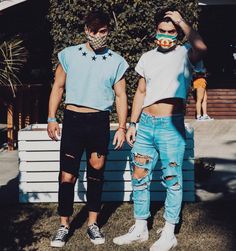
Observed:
{"x":165,"y":75}
{"x":93,"y":76}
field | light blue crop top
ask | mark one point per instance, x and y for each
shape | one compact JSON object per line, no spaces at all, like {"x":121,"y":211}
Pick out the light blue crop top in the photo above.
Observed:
{"x":90,"y":77}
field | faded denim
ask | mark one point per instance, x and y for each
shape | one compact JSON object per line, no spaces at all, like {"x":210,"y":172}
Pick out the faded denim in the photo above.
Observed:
{"x":164,"y":138}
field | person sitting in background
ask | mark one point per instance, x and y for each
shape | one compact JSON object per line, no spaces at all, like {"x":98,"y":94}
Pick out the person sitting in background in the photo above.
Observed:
{"x":199,"y":85}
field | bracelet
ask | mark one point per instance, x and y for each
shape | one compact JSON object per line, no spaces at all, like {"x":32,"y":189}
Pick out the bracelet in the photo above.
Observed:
{"x":122,"y":128}
{"x":132,"y":124}
{"x":52,"y":120}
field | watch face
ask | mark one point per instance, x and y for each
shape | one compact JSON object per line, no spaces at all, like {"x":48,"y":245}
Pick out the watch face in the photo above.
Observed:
{"x":132,"y":124}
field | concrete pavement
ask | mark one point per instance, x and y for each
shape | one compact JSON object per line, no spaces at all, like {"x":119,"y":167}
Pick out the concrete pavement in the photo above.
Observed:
{"x":215,"y":142}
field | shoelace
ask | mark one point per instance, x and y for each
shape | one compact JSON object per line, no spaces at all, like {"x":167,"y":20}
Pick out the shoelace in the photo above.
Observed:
{"x":60,"y":234}
{"x":132,"y":229}
{"x":159,"y":231}
{"x":95,"y":231}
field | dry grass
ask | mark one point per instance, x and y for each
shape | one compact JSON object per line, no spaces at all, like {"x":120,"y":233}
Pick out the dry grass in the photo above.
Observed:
{"x":207,"y":226}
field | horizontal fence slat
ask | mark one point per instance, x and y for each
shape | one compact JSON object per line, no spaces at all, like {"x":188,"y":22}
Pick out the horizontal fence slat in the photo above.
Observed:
{"x":55,"y":146}
{"x":121,"y":165}
{"x":39,"y":169}
{"x":108,"y":186}
{"x":106,"y":196}
{"x":113,"y":155}
{"x":39,"y":132}
{"x":108,"y":175}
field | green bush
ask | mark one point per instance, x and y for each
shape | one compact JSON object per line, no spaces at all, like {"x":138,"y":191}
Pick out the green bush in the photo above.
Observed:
{"x":132,"y":27}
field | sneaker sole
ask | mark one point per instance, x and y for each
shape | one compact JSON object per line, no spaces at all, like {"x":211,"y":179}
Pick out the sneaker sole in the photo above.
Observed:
{"x":174,"y":245}
{"x":131,"y":242}
{"x":57,"y":245}
{"x":97,"y":242}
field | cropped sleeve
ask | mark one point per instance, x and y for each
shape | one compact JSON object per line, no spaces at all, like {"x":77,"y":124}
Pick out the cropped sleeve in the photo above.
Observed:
{"x":140,"y":67}
{"x":123,"y":66}
{"x":62,"y":56}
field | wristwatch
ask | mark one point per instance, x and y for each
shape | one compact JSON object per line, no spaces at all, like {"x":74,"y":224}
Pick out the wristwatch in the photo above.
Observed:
{"x":132,"y":124}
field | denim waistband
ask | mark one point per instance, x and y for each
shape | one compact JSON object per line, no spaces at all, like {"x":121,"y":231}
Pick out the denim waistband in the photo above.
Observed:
{"x":146,"y":115}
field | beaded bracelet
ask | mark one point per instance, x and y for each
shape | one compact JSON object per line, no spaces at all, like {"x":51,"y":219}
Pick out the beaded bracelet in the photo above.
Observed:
{"x":123,"y":128}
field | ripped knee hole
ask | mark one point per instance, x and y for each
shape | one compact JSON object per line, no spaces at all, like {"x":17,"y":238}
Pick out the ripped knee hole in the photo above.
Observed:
{"x":70,"y":156}
{"x":141,"y":159}
{"x":173,"y":164}
{"x":93,"y":179}
{"x":139,"y":172}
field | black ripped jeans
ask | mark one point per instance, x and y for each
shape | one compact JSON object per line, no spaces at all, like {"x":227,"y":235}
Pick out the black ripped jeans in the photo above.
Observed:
{"x":81,"y":132}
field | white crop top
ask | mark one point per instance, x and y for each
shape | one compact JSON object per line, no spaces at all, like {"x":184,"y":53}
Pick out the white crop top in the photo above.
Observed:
{"x":167,"y":75}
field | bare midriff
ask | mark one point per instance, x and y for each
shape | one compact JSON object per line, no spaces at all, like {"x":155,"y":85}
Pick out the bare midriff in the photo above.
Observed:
{"x":80,"y":108}
{"x":166,"y":107}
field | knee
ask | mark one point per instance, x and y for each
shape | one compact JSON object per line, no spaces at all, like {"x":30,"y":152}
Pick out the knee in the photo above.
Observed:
{"x":172,"y":182}
{"x":140,"y":160}
{"x":139,"y":173}
{"x":97,"y":161}
{"x":199,"y":101}
{"x":139,"y":166}
{"x":95,"y":174}
{"x":171,"y":178}
{"x":67,"y":177}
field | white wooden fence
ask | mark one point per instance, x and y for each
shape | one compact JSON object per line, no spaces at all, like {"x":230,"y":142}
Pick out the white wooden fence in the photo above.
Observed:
{"x":39,"y":168}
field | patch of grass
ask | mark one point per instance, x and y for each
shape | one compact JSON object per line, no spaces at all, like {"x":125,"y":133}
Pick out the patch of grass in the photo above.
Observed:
{"x":205,"y":226}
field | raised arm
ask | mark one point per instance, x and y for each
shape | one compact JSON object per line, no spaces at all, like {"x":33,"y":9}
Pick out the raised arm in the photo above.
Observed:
{"x":194,"y":38}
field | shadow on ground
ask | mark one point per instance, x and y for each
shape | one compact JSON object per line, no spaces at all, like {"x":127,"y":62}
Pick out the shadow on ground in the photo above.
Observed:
{"x":18,"y":220}
{"x":221,"y":182}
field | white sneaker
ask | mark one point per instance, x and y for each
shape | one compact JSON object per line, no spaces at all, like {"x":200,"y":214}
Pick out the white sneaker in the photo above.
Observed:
{"x":206,"y":118}
{"x":164,"y":243}
{"x":199,"y":118}
{"x":134,"y":235}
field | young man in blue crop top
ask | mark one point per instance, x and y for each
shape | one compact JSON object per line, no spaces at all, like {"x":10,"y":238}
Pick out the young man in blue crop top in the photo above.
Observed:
{"x":93,"y":76}
{"x":165,"y":75}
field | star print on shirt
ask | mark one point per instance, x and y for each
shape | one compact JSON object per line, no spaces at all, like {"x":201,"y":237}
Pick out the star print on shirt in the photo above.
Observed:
{"x":84,"y":54}
{"x":80,"y":49}
{"x":94,"y":58}
{"x":110,"y":54}
{"x":104,"y":57}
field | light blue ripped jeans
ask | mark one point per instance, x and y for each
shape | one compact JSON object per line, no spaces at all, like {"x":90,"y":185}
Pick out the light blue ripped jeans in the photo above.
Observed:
{"x":162,"y":137}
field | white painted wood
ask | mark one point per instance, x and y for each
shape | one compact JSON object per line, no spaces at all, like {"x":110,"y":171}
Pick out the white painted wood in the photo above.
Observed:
{"x":54,"y":155}
{"x":4,"y":4}
{"x":26,"y":187}
{"x":40,"y":145}
{"x":39,"y":132}
{"x":110,"y":165}
{"x":39,"y":166}
{"x":107,"y":196}
{"x":108,"y":175}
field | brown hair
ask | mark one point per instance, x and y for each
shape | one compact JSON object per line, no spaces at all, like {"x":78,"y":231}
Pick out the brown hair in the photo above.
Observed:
{"x":160,"y":17}
{"x":96,"y":20}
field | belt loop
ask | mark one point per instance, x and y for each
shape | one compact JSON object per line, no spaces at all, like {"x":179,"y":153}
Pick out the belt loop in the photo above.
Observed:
{"x":145,"y":117}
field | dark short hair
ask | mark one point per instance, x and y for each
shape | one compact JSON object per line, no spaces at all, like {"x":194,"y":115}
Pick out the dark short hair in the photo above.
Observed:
{"x":160,"y":17}
{"x":96,"y":20}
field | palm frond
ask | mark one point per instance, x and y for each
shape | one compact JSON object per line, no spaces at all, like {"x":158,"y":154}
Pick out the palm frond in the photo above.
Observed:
{"x":13,"y":56}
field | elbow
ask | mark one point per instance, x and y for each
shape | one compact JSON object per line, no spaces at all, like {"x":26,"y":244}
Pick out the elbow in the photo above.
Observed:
{"x":204,"y":49}
{"x":201,"y":47}
{"x":141,"y":93}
